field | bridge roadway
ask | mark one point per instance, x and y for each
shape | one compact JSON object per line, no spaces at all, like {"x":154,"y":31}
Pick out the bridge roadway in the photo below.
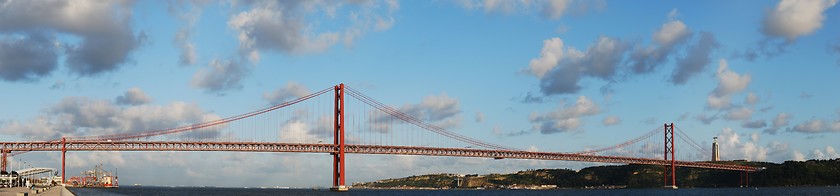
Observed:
{"x":75,"y":145}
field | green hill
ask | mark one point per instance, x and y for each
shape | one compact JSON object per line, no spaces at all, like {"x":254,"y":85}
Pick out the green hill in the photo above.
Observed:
{"x":790,"y":173}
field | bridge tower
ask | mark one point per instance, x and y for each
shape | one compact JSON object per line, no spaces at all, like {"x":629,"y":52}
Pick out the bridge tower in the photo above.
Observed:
{"x":670,"y":170}
{"x":338,"y":158}
{"x":4,"y":163}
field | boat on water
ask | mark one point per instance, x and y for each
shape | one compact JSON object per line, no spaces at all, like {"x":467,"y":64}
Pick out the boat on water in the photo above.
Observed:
{"x":96,"y":178}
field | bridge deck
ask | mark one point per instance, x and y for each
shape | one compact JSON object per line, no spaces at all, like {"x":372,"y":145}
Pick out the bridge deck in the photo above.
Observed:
{"x":349,"y":148}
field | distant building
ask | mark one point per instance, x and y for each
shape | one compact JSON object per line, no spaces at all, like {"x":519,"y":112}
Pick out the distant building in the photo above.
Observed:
{"x":715,"y":150}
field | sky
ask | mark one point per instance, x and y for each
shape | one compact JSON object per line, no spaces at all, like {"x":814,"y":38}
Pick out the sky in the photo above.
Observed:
{"x":556,"y":76}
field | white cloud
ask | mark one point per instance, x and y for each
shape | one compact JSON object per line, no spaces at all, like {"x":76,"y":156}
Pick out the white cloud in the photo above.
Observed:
{"x":751,"y":98}
{"x":781,"y":120}
{"x":668,"y":38}
{"x":716,"y":102}
{"x":104,"y":29}
{"x":292,"y":90}
{"x":551,"y":9}
{"x":110,"y":158}
{"x":810,"y":126}
{"x":827,"y":154}
{"x":729,"y":83}
{"x":285,"y":26}
{"x":698,"y":56}
{"x":756,"y":124}
{"x":79,"y":116}
{"x":672,"y":32}
{"x":532,"y":148}
{"x":298,"y":132}
{"x":795,"y":18}
{"x":440,"y":110}
{"x":741,"y":113}
{"x":817,"y":126}
{"x":134,"y":96}
{"x":221,"y":75}
{"x":705,"y":119}
{"x":798,"y":156}
{"x":553,"y":52}
{"x":733,"y":147}
{"x":611,"y":120}
{"x":556,"y":8}
{"x":560,"y":69}
{"x":829,"y":150}
{"x":566,"y":118}
{"x":183,"y":37}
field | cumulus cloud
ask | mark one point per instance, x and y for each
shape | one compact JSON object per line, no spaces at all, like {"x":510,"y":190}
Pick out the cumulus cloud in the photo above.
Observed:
{"x":785,"y":23}
{"x":104,"y":28}
{"x":560,"y":68}
{"x":668,"y":38}
{"x":756,"y":124}
{"x":798,"y":156}
{"x":729,"y":83}
{"x":298,"y":132}
{"x":27,"y":58}
{"x":828,"y":153}
{"x":290,"y":91}
{"x":705,"y":119}
{"x":221,"y":75}
{"x":741,"y":113}
{"x":80,"y":116}
{"x":699,"y":55}
{"x":817,"y":126}
{"x":611,"y":120}
{"x":781,"y":120}
{"x":716,"y":102}
{"x":134,"y":96}
{"x":553,"y":51}
{"x":284,"y":26}
{"x":792,"y":19}
{"x":550,"y":9}
{"x":733,"y":146}
{"x":182,"y":38}
{"x":439,"y":110}
{"x":566,"y":118}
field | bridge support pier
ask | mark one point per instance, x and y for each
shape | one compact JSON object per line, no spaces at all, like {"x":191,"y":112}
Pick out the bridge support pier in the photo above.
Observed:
{"x":745,"y":179}
{"x":338,"y":157}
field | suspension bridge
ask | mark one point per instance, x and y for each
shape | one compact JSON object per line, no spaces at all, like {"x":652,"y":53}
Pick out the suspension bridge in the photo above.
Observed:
{"x":320,"y":123}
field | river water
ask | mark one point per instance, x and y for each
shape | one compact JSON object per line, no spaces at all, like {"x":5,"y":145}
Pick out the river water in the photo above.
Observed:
{"x":258,"y":191}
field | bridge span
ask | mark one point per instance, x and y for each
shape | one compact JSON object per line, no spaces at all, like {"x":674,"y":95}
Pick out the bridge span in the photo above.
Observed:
{"x":349,"y":148}
{"x":372,"y":130}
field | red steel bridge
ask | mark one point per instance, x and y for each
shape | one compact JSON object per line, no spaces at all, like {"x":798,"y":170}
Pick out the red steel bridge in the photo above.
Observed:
{"x":304,"y":124}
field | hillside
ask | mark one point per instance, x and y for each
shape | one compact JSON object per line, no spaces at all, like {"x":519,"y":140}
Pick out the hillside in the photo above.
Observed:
{"x":790,"y":173}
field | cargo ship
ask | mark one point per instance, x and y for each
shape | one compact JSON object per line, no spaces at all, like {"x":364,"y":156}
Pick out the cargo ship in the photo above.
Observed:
{"x":96,"y":178}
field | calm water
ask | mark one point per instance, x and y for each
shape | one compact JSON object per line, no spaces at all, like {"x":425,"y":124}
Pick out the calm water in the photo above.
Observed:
{"x":257,"y":191}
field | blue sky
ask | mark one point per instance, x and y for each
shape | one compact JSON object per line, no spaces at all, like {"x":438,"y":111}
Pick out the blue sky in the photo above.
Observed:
{"x":545,"y":75}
